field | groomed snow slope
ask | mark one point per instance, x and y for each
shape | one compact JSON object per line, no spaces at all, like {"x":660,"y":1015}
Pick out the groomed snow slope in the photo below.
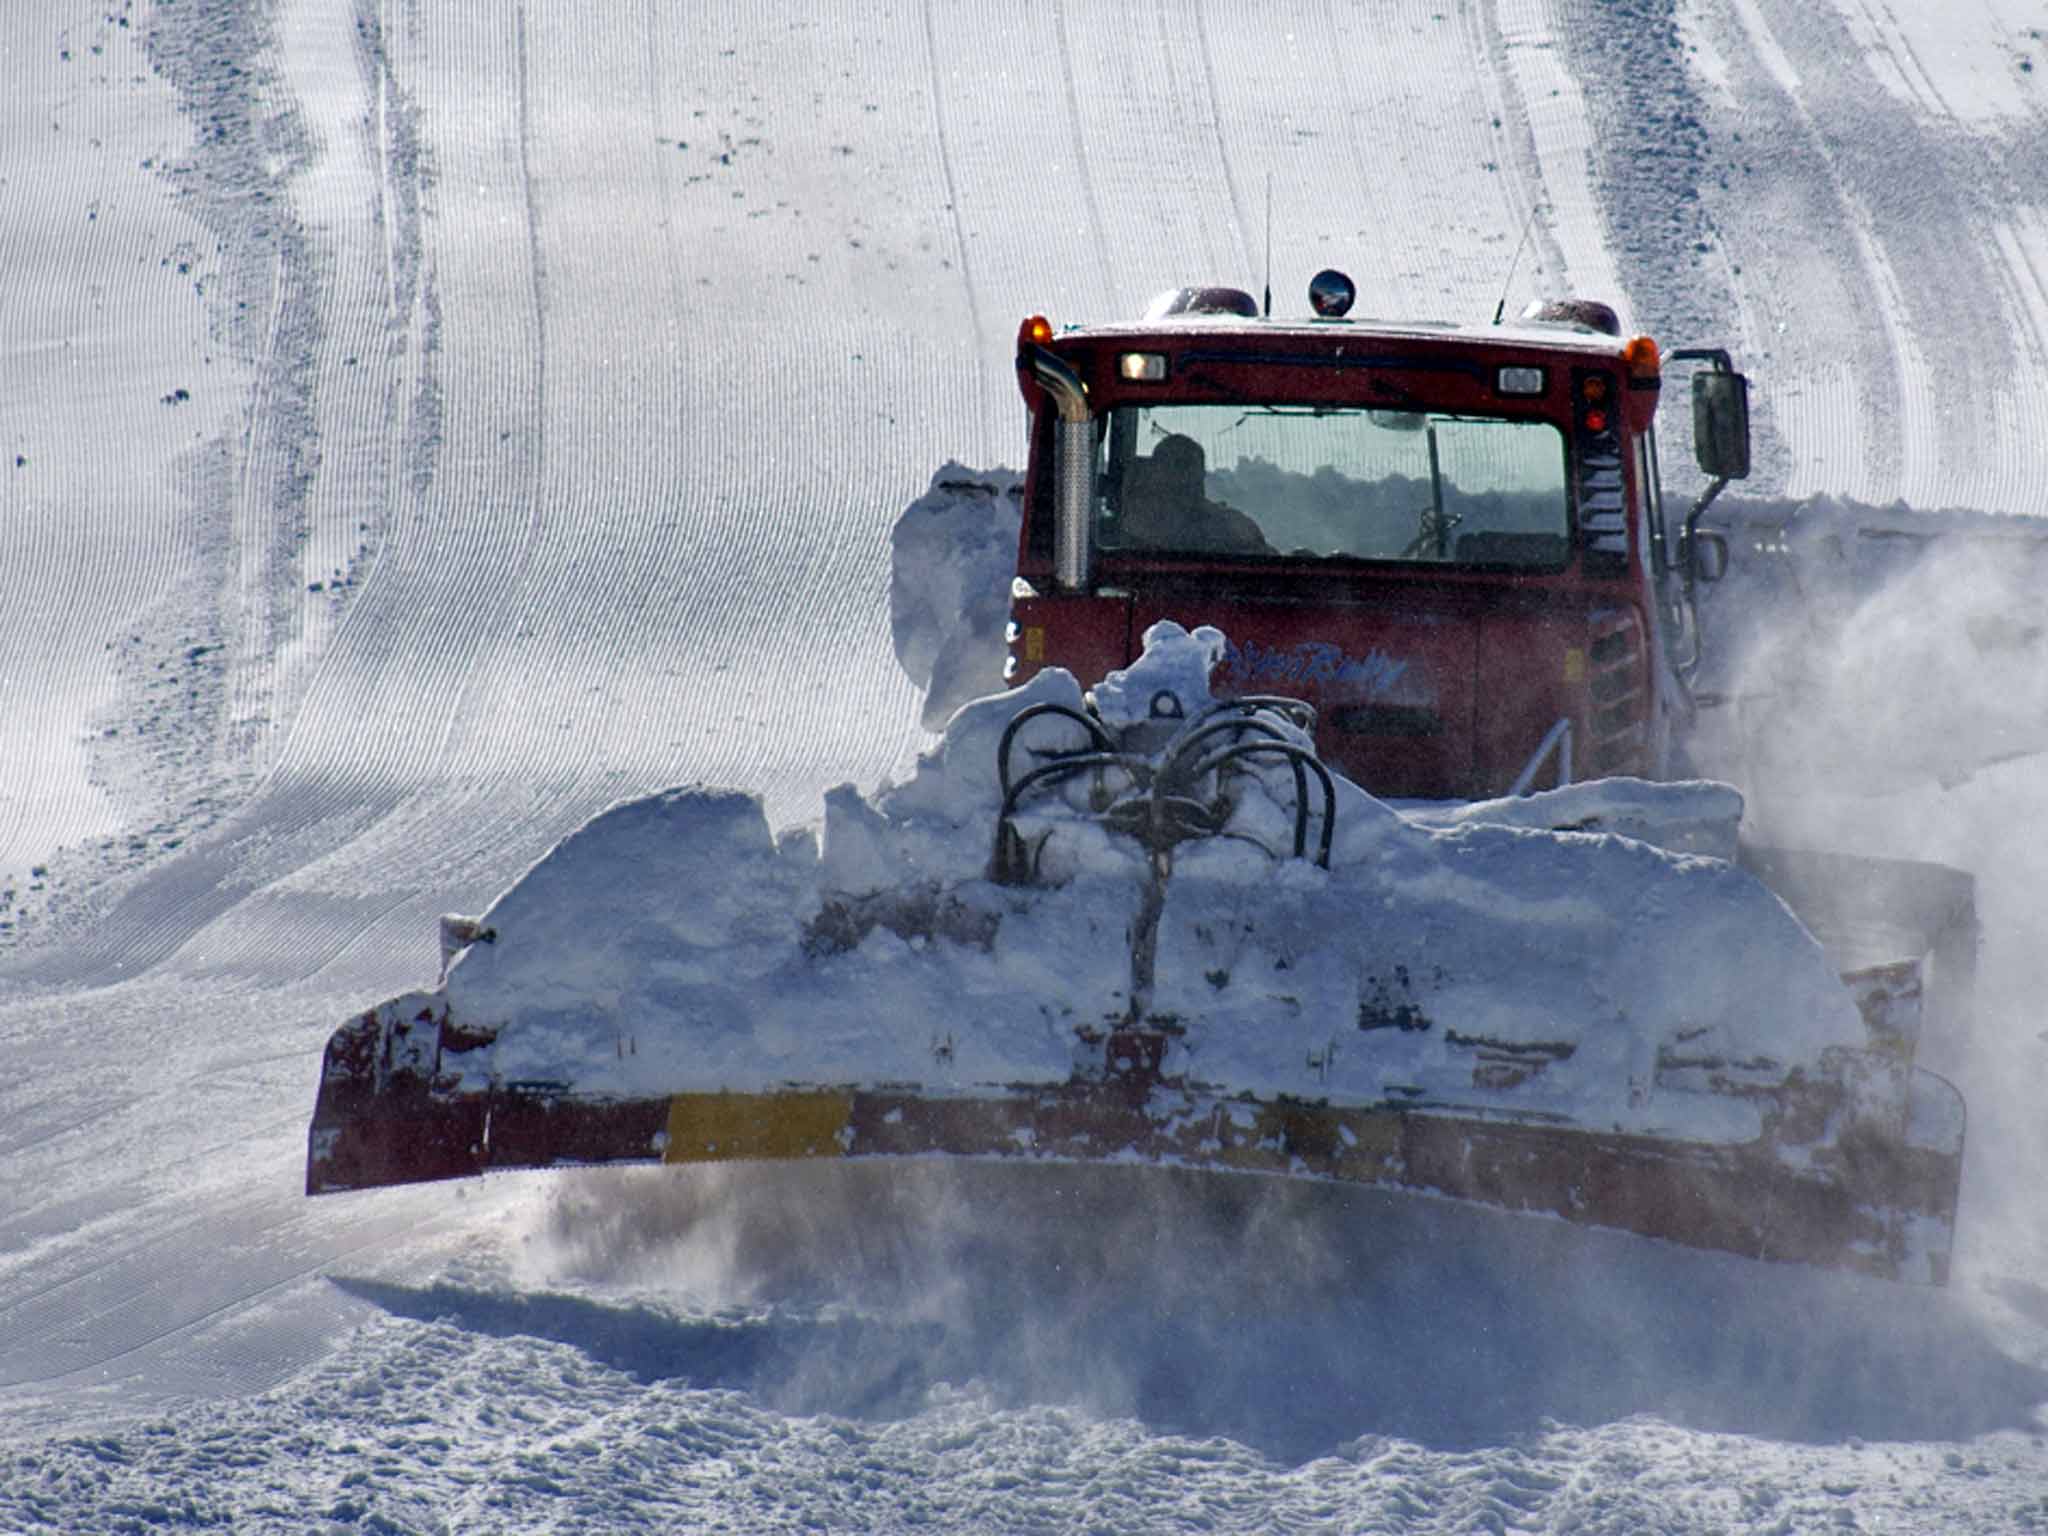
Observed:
{"x":427,"y":425}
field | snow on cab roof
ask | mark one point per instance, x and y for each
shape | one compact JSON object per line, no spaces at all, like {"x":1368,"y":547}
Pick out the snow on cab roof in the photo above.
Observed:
{"x":1542,"y":335}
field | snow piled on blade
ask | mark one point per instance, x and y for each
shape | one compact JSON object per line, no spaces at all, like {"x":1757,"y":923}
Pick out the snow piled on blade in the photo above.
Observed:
{"x":1686,"y":817}
{"x":1478,"y":956}
{"x":1172,"y":675}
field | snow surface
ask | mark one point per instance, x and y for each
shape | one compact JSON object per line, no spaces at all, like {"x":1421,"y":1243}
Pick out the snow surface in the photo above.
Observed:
{"x":430,"y":426}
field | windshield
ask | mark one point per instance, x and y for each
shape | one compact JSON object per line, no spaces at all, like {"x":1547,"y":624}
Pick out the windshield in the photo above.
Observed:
{"x":1316,"y":482}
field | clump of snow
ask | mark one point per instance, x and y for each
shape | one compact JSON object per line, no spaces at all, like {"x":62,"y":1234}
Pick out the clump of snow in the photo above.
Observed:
{"x":673,"y":944}
{"x":679,"y":895}
{"x":1170,"y":679}
{"x":672,"y":941}
{"x":1574,"y":958}
{"x":956,"y":784}
{"x":1687,"y":817}
{"x":939,"y":826}
{"x":951,"y":556}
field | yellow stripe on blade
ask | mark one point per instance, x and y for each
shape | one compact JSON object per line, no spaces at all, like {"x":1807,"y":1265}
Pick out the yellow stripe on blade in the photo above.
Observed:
{"x":723,"y":1127}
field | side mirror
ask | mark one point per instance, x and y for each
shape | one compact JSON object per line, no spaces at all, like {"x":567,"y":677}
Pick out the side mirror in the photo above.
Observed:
{"x":1720,"y":424}
{"x":1706,"y":555}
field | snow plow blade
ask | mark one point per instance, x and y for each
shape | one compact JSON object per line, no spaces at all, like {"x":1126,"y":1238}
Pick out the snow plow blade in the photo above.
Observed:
{"x":1190,"y":944}
{"x":1871,"y":1202}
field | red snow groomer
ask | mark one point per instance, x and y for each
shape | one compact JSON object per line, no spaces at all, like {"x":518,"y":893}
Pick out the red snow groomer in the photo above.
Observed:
{"x":1446,"y":571}
{"x":1451,"y":540}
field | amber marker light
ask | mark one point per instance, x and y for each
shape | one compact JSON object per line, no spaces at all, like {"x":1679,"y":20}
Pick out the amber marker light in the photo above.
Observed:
{"x":1036,"y":329}
{"x":1642,"y":358}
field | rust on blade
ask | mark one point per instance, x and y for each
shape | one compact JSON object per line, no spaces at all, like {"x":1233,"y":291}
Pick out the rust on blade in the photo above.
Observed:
{"x":1863,"y":1201}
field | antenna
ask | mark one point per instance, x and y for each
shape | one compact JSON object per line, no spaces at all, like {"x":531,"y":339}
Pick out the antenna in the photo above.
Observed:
{"x":1515,"y":260}
{"x":1268,"y":311}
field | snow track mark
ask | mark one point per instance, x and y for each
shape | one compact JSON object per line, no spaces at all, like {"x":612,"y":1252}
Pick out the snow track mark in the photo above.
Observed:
{"x":954,"y":211}
{"x":1098,"y":230}
{"x":1563,"y":138}
{"x":1877,"y":233}
{"x":1245,"y":226}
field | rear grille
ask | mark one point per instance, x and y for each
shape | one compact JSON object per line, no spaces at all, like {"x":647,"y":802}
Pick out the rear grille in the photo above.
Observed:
{"x":1611,"y":729}
{"x":1619,"y":689}
{"x":1614,"y":646}
{"x":1613,"y":684}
